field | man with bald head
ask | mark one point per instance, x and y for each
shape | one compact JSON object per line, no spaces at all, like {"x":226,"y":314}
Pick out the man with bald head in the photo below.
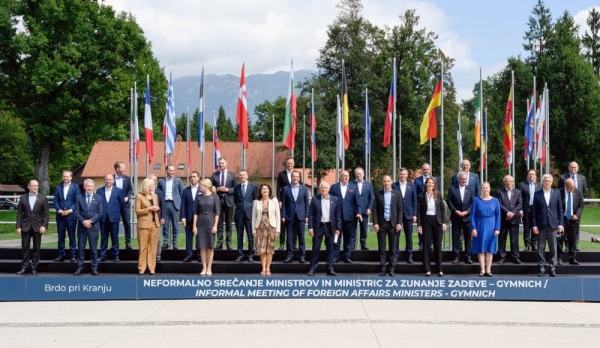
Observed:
{"x":324,"y":220}
{"x":347,"y":192}
{"x":573,"y":206}
{"x":472,"y":178}
{"x":511,"y":205}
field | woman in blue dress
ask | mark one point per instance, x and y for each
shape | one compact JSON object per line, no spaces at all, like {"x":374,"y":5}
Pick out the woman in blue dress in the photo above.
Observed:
{"x":485,"y":221}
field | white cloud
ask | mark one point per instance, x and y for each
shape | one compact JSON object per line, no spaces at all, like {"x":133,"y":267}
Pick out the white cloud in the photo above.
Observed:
{"x":581,"y":19}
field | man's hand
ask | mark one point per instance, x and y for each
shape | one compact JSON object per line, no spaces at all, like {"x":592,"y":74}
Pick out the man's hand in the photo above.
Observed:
{"x":398,"y":227}
{"x":359,"y":216}
{"x":311,"y":233}
{"x":510,"y":215}
{"x":126,"y":199}
{"x":574,"y":217}
{"x":183,"y":222}
{"x":376,"y":227}
{"x":561,"y":229}
{"x":368,"y":211}
{"x":535,"y":230}
{"x":42,"y":229}
{"x":18,"y":231}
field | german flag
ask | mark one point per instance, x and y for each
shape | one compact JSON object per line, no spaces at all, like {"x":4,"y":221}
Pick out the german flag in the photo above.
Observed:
{"x":430,"y":119}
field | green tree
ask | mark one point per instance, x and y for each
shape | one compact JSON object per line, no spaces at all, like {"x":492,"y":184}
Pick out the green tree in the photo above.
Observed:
{"x":538,"y":33}
{"x":591,"y":40}
{"x":225,"y":127}
{"x":70,"y":71}
{"x":15,"y":154}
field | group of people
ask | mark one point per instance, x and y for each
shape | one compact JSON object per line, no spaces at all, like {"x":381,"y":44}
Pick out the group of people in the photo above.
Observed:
{"x":481,"y":223}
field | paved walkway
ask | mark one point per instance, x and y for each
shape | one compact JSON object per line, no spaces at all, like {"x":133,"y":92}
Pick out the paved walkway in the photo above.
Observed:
{"x":300,"y":323}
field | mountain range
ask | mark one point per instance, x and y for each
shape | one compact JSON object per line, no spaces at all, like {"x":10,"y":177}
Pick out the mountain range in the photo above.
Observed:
{"x":223,"y":90}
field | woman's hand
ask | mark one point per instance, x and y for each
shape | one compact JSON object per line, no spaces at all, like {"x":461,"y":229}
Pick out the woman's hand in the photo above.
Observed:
{"x":420,"y":229}
{"x":195,"y":230}
{"x":474,"y":233}
{"x":496,"y":232}
{"x":214,"y":229}
{"x":444,"y":227}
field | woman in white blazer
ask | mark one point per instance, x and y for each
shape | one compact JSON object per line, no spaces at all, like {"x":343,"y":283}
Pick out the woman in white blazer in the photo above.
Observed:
{"x":266,"y":225}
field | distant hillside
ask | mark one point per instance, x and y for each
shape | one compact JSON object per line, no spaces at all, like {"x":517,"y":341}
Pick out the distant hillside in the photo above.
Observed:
{"x":223,"y":90}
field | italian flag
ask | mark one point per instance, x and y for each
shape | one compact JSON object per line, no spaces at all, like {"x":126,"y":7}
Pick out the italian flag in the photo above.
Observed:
{"x":289,"y":122}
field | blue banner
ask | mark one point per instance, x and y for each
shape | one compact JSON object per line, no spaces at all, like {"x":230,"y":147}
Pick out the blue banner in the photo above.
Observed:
{"x":246,"y":287}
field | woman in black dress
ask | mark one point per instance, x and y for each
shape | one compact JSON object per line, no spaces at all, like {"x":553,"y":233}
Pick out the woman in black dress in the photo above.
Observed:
{"x":206,"y":218}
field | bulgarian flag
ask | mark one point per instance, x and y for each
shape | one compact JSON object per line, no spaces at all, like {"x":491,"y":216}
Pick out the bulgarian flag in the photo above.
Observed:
{"x":148,"y":123}
{"x":289,"y":121}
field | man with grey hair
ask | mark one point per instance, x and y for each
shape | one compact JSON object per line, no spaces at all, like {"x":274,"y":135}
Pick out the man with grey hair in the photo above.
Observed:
{"x":88,"y":211}
{"x":547,"y":219}
{"x":511,"y":204}
{"x":573,"y":206}
{"x":348,"y":195}
{"x":324,"y":220}
{"x":472,"y":178}
{"x":580,"y":184}
{"x":365,"y":204}
{"x":460,"y":197}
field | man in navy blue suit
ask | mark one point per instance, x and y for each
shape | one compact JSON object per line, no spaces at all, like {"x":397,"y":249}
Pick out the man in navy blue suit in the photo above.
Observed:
{"x":365,"y":204}
{"x":472,"y":178}
{"x":347,"y":193}
{"x":123,"y":182}
{"x":190,"y":194}
{"x":88,"y":210}
{"x":113,"y":202}
{"x":324,"y":220}
{"x":173,"y":189}
{"x":460,"y":197}
{"x":410,"y":208}
{"x":66,"y":222}
{"x":547,"y":219}
{"x":295,"y":215}
{"x":244,"y":195}
{"x":420,"y":187}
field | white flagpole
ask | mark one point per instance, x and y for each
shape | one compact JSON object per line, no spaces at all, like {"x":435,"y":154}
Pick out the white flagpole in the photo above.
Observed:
{"x":535,"y":131}
{"x":187,"y":145}
{"x":547,"y":126}
{"x":273,"y":153}
{"x":512,"y":126}
{"x":442,"y":131}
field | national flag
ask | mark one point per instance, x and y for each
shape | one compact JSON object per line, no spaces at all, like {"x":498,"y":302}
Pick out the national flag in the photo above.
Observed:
{"x":345,"y":109}
{"x":171,"y":131}
{"x":135,"y":130}
{"x":242,"y":112}
{"x":430,"y":118}
{"x":540,"y":124}
{"x":478,"y":120}
{"x":530,"y":127}
{"x":216,"y":152}
{"x":289,"y":121}
{"x":201,"y":114}
{"x":340,"y":129}
{"x":508,"y":130}
{"x":459,"y":142}
{"x":164,"y":133}
{"x":387,"y":128}
{"x":484,"y":142}
{"x":313,"y":132}
{"x":367,"y":125}
{"x":148,"y":123}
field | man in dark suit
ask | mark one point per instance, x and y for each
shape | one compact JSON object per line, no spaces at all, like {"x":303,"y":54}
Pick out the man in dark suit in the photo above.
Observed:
{"x":528,"y":188}
{"x":460,"y":197}
{"x":244,"y":195}
{"x":113,"y":202}
{"x":324,"y":220}
{"x":173,"y":190}
{"x":88,"y":210}
{"x":64,"y":203}
{"x":123,"y":182}
{"x":295,"y":215}
{"x":224,"y":181}
{"x":472,"y":178}
{"x":547,"y":217}
{"x":161,"y":205}
{"x":32,"y":221}
{"x":420,"y":187}
{"x":347,"y":193}
{"x":573,"y":206}
{"x":511,"y":205}
{"x":387,"y":222}
{"x":190,"y":194}
{"x":580,"y":184}
{"x":365,"y":204}
{"x":410,"y":208}
{"x":284,"y":178}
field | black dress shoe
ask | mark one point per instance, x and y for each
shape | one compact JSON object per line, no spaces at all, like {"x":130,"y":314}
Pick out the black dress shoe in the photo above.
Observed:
{"x":552,"y":274}
{"x":573,"y":262}
{"x":175,"y":247}
{"x":128,"y":247}
{"x":219,"y":247}
{"x":302,"y":260}
{"x":73,"y":260}
{"x":288,"y":260}
{"x":94,"y":272}
{"x":101,"y":259}
{"x":22,"y":271}
{"x":455,"y":260}
{"x":364,"y":247}
{"x":541,"y":274}
{"x":239,"y":259}
{"x":410,"y":260}
{"x":336,"y":259}
{"x":577,"y":249}
{"x":348,"y":260}
{"x":310,"y":273}
{"x":59,"y":259}
{"x":187,"y":259}
{"x":469,"y":261}
{"x":116,"y":259}
{"x":382,"y":273}
{"x":250,"y":259}
{"x":518,"y":262}
{"x":78,"y":271}
{"x":501,"y":261}
{"x":281,"y":247}
{"x":229,"y":247}
{"x":392,"y":273}
{"x":559,"y":262}
{"x":33,"y":271}
{"x":165,"y":246}
{"x":332,"y":274}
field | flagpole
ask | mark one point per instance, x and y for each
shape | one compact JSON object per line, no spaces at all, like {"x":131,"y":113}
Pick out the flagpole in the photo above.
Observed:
{"x":304,"y":148}
{"x":134,"y":169}
{"x":312,"y":160}
{"x":430,"y":154}
{"x":512,"y":126}
{"x":535,"y":131}
{"x":337,"y":141}
{"x":486,"y":145}
{"x":547,"y":126}
{"x":527,"y":148}
{"x":394,"y":123}
{"x":131,"y":135}
{"x":370,"y":148}
{"x":213,"y":141}
{"x":147,"y":154}
{"x":273,"y":153}
{"x":442,"y":130}
{"x":480,"y":124}
{"x":187,"y":145}
{"x":459,"y":140}
{"x":201,"y":123}
{"x":365,"y":121}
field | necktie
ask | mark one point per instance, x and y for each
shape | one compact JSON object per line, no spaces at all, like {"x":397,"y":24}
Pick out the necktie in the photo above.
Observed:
{"x":569,"y":211}
{"x":222,"y":178}
{"x":88,"y":201}
{"x":244,"y":189}
{"x":531,"y":191}
{"x":575,"y":179}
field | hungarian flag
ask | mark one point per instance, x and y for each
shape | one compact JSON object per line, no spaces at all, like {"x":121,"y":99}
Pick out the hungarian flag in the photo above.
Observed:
{"x":135,"y":130}
{"x":216,"y":152}
{"x":313,"y":132}
{"x":148,"y":123}
{"x":242,"y":112}
{"x":478,"y":121}
{"x":289,"y":121}
{"x":345,"y":109}
{"x":508,"y":130}
{"x":430,"y":119}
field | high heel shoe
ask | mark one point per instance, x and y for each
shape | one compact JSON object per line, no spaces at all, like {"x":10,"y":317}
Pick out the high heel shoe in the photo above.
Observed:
{"x":208,"y":273}
{"x":481,"y":274}
{"x":488,"y":274}
{"x":263,"y":273}
{"x":428,"y":274}
{"x":441,"y":274}
{"x":203,"y":273}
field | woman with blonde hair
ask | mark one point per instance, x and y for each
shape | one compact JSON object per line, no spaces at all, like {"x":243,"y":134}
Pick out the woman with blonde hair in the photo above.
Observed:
{"x":206,"y":219}
{"x":146,"y":209}
{"x":266,"y":225}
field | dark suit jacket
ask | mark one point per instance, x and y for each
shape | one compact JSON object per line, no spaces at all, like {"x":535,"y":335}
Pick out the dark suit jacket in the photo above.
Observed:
{"x":315,"y":213}
{"x":349,"y":202}
{"x":94,"y":213}
{"x":187,"y":203}
{"x":293,"y":207}
{"x":420,"y":184}
{"x":177,"y":190}
{"x":524,"y":188}
{"x":515,"y":205}
{"x":577,"y":199}
{"x":112,"y":209}
{"x":581,"y":183}
{"x":440,"y":209}
{"x":409,"y":200}
{"x":365,"y":197}
{"x":59,"y":199}
{"x":455,"y":203}
{"x":230,"y":183}
{"x":243,"y":203}
{"x":472,"y":181}
{"x":161,"y":204}
{"x":395,"y":209}
{"x":282,"y":181}
{"x":127,"y":188}
{"x":32,"y":220}
{"x":547,"y":215}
